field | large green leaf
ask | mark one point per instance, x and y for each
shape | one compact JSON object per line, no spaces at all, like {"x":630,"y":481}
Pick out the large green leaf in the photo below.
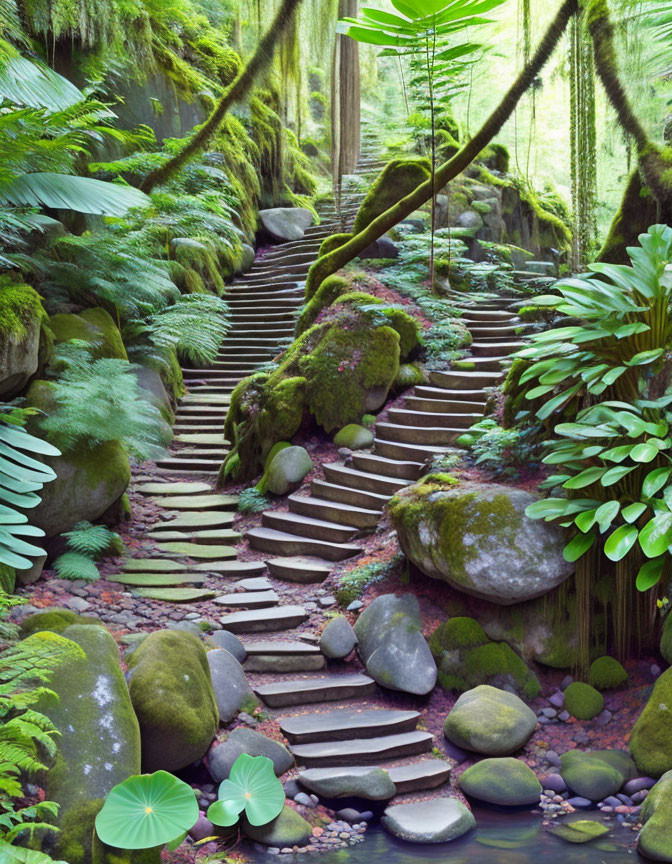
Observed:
{"x":644,"y":452}
{"x":585,"y":478}
{"x":606,"y":514}
{"x":578,"y":546}
{"x":632,"y":512}
{"x":251,"y":787}
{"x":650,"y":573}
{"x":27,"y":82}
{"x":655,"y":480}
{"x":620,"y":542}
{"x":613,"y":475}
{"x":656,"y":535}
{"x":65,"y":192}
{"x":147,"y":810}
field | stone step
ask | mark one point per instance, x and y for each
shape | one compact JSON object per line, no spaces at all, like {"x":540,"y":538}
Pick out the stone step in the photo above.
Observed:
{"x":157,"y":580}
{"x":264,"y":620}
{"x":248,"y":600}
{"x":473,"y":313}
{"x":280,"y":543}
{"x":409,"y":452}
{"x":503,"y":331}
{"x":203,"y":412}
{"x":171,"y":488}
{"x":189,"y":422}
{"x":418,"y":776}
{"x":407,"y":417}
{"x":306,"y":526}
{"x":344,"y":514}
{"x":197,"y":502}
{"x":343,"y":723}
{"x":449,"y":393}
{"x":277,"y":332}
{"x":356,"y":750}
{"x":466,"y":380}
{"x":189,"y":466}
{"x":231,"y":568}
{"x":418,"y":435}
{"x":202,"y":399}
{"x":305,"y":571}
{"x":388,"y":467}
{"x":342,"y":475}
{"x":306,"y":691}
{"x":445,"y":406}
{"x":495,"y":349}
{"x":205,"y":438}
{"x":280,"y":648}
{"x":208,"y":537}
{"x":479,"y":364}
{"x":196,"y":520}
{"x":183,"y":548}
{"x":282,"y":664}
{"x":346,"y":495}
{"x":255,"y":583}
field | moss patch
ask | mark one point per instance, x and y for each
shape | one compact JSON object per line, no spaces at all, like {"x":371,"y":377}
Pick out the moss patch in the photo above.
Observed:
{"x":398,"y":179}
{"x":94,"y":326}
{"x":583,"y":701}
{"x":651,"y":741}
{"x":607,"y":673}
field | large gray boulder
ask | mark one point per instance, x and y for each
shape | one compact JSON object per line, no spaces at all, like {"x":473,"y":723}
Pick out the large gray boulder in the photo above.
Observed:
{"x":287,"y":470}
{"x":490,"y":721}
{"x":242,"y":740}
{"x":232,"y":691}
{"x":370,"y":783}
{"x":476,"y":537}
{"x":435,"y":821}
{"x":285,"y":223}
{"x":338,"y":638}
{"x":390,"y":641}
{"x":507,"y":782}
{"x":230,"y":642}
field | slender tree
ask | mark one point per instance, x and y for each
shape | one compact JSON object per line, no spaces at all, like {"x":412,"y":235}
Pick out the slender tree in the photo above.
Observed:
{"x":237,"y":91}
{"x":345,"y":102}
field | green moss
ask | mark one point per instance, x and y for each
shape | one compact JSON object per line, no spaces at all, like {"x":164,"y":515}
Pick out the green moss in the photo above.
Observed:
{"x":75,"y":841}
{"x":332,"y":243}
{"x":95,"y":326}
{"x":7,"y":579}
{"x":457,"y":634}
{"x":651,"y":740}
{"x":607,"y":673}
{"x":398,"y":179}
{"x":20,"y":306}
{"x":410,"y":375}
{"x":583,"y":701}
{"x":495,"y":157}
{"x":53,"y":621}
{"x":666,"y":640}
{"x":332,"y":288}
{"x":655,"y":840}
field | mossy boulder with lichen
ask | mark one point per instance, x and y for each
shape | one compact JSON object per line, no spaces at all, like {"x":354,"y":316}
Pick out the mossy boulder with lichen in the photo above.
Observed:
{"x":54,"y":620}
{"x":398,"y":179}
{"x":172,"y":694}
{"x":465,"y":658}
{"x":335,"y":372}
{"x":490,"y":721}
{"x":21,"y":336}
{"x":655,"y":840}
{"x":651,"y":740}
{"x":476,"y":537}
{"x":95,"y":326}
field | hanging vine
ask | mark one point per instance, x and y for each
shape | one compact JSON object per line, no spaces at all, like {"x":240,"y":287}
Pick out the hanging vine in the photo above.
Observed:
{"x":583,"y":140}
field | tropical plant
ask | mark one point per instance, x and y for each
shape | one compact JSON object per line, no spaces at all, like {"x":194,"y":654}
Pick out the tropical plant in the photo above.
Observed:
{"x":85,"y":544}
{"x":502,"y":450}
{"x":21,"y":479}
{"x":253,"y":789}
{"x":146,"y":811}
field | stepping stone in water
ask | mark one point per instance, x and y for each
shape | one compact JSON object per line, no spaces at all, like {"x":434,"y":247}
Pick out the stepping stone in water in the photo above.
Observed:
{"x":369,"y":783}
{"x":210,"y":519}
{"x":363,"y":749}
{"x":249,"y":599}
{"x":435,"y":821}
{"x":157,"y":580}
{"x":264,"y":620}
{"x":176,"y":595}
{"x":419,"y":775}
{"x":197,"y":502}
{"x":151,"y":565}
{"x":255,"y":583}
{"x":344,"y":723}
{"x":194,"y":550}
{"x":327,"y":689}
{"x":172,"y":488}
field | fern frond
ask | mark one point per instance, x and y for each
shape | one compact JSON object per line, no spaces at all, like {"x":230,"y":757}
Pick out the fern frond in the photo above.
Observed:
{"x":75,"y":565}
{"x":91,"y":540}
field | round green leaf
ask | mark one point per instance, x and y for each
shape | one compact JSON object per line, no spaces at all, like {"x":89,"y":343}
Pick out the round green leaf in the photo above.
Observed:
{"x":650,"y":573}
{"x":578,"y":546}
{"x":147,"y":810}
{"x":252,"y":786}
{"x":655,"y":480}
{"x":620,"y":542}
{"x":225,"y":813}
{"x":655,"y":536}
{"x":606,"y":514}
{"x":644,"y":452}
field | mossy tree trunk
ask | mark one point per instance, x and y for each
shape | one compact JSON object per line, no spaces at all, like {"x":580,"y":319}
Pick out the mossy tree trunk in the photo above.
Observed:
{"x":282,"y":23}
{"x":329,"y":264}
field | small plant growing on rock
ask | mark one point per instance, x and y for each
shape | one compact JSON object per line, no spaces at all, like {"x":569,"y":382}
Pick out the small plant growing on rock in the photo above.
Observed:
{"x":253,"y":789}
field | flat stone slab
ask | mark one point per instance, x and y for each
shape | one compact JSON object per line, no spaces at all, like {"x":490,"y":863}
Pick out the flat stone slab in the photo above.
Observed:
{"x":264,"y":620}
{"x":285,"y":663}
{"x":363,"y":749}
{"x":197,"y":502}
{"x":209,"y":519}
{"x":249,"y":599}
{"x":176,"y":595}
{"x":280,"y":648}
{"x":327,"y":689}
{"x":200,"y":438}
{"x":301,"y":570}
{"x":435,"y":821}
{"x":210,"y":537}
{"x":195,"y":550}
{"x":157,"y":580}
{"x":344,"y":723}
{"x":172,"y":488}
{"x":151,"y":565}
{"x":254,"y":583}
{"x":231,"y":568}
{"x":367,"y":782}
{"x":420,"y":775}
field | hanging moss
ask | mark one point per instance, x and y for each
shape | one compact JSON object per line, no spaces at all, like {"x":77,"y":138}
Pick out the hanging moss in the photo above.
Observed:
{"x":20,"y":306}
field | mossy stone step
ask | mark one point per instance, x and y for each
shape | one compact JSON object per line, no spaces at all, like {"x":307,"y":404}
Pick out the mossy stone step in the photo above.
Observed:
{"x":172,"y":488}
{"x":331,"y":688}
{"x":248,"y":599}
{"x":282,"y":664}
{"x":343,"y":475}
{"x":344,"y":514}
{"x":151,"y":565}
{"x":281,"y":543}
{"x":445,"y":406}
{"x":264,"y":620}
{"x":345,"y":495}
{"x":344,"y":723}
{"x":306,"y":526}
{"x":425,"y":392}
{"x":209,"y":537}
{"x":204,"y":400}
{"x":418,"y":776}
{"x":466,"y":380}
{"x":374,"y":464}
{"x":176,"y":595}
{"x":197,"y":519}
{"x":209,"y":467}
{"x":479,"y":364}
{"x":355,"y":750}
{"x":231,"y":567}
{"x":198,"y":502}
{"x":495,"y":349}
{"x":302,"y":570}
{"x":157,"y":580}
{"x":196,"y":550}
{"x":200,"y":438}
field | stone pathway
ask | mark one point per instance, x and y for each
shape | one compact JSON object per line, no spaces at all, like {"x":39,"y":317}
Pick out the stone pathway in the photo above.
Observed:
{"x":326,"y":713}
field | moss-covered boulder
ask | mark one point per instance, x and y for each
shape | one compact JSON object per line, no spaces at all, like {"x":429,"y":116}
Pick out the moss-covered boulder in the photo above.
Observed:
{"x":606,"y":673}
{"x":337,"y":371}
{"x":99,"y":744}
{"x":666,"y":640}
{"x":171,"y":690}
{"x":89,"y":480}
{"x":465,"y":658}
{"x":21,"y":321}
{"x":287,"y":470}
{"x":476,"y":537}
{"x":655,"y":840}
{"x":354,"y":437}
{"x":287,"y":829}
{"x":506,"y":782}
{"x":391,"y":644}
{"x":95,"y":326}
{"x":490,"y":721}
{"x":398,"y":179}
{"x":583,"y":701}
{"x":651,"y":740}
{"x":54,"y":620}
{"x":330,"y":290}
{"x":596,"y":774}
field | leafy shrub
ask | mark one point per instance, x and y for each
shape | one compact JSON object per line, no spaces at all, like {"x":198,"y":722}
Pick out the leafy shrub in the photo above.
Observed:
{"x":86,"y":543}
{"x":502,"y":451}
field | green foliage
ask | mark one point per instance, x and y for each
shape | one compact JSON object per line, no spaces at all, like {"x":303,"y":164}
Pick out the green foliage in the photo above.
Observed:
{"x":583,"y":701}
{"x":86,"y":543}
{"x":353,"y":583}
{"x":503,"y":451}
{"x":21,"y":479}
{"x":607,"y":673}
{"x":252,"y":501}
{"x":147,"y":811}
{"x":75,"y":565}
{"x":252,"y":788}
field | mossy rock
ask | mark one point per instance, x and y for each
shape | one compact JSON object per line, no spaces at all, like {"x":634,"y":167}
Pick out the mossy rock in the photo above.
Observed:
{"x":398,"y":179}
{"x":95,"y":326}
{"x":354,"y":437}
{"x":54,"y":620}
{"x":583,"y":701}
{"x":581,"y":831}
{"x":99,"y":744}
{"x":329,"y":291}
{"x":410,"y":375}
{"x":655,"y":840}
{"x":173,"y":697}
{"x":287,"y":470}
{"x":21,"y":323}
{"x":466,"y":658}
{"x":651,"y":740}
{"x":596,"y":774}
{"x":506,"y":782}
{"x":606,"y":673}
{"x":490,"y":721}
{"x":287,"y":829}
{"x":666,"y":640}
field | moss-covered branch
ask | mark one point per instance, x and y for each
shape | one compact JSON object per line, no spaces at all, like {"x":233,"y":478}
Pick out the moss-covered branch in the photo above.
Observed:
{"x":328,"y":264}
{"x":236,"y":92}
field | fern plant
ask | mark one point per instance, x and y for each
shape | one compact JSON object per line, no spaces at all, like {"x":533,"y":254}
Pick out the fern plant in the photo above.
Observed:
{"x":86,"y":544}
{"x":252,"y":501}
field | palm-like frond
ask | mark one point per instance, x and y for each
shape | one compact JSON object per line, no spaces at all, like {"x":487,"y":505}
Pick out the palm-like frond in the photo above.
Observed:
{"x":34,"y":85}
{"x":65,"y":192}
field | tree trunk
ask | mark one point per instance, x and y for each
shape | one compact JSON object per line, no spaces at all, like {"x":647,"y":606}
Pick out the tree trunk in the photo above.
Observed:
{"x":345,"y":101}
{"x":236,"y":92}
{"x":328,"y":264}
